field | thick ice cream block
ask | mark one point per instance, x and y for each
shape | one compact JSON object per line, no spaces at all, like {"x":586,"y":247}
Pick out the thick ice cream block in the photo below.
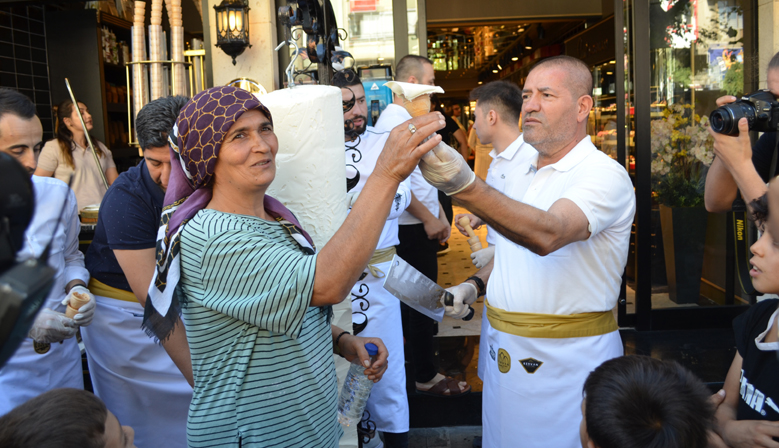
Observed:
{"x":76,"y":302}
{"x":416,"y":97}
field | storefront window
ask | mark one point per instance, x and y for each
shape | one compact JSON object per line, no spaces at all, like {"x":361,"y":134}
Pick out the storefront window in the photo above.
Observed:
{"x":696,"y":55}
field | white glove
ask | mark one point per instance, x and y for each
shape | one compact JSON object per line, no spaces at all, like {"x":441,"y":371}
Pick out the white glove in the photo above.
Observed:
{"x":87,"y":310}
{"x":51,"y":326}
{"x":480,"y":258}
{"x":445,"y":169}
{"x":351,"y":198}
{"x":464,"y":295}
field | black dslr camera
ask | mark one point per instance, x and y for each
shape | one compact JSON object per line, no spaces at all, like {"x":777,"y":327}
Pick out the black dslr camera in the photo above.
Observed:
{"x":759,"y":108}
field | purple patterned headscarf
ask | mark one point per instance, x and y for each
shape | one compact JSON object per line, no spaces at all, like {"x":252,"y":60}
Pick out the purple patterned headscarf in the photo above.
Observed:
{"x":201,"y":127}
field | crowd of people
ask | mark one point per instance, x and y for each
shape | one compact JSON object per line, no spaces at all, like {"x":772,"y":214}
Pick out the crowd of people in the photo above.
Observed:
{"x":209,"y":315}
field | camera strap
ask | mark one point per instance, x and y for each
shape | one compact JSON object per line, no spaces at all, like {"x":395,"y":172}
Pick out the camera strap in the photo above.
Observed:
{"x":740,"y":236}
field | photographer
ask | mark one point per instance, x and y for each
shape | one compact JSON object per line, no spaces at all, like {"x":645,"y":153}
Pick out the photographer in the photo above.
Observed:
{"x":738,"y":165}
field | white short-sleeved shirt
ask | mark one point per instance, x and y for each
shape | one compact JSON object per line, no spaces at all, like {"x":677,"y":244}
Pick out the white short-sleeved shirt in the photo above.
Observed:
{"x":425,"y":193}
{"x":361,"y":160}
{"x":581,"y":277}
{"x":501,"y":167}
{"x":87,"y":183}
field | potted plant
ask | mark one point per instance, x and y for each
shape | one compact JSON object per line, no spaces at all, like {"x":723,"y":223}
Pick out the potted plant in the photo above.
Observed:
{"x":681,"y":154}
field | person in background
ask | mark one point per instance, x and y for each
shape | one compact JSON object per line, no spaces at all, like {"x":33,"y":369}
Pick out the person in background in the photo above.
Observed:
{"x":69,"y":155}
{"x":422,"y":228}
{"x":143,"y":385}
{"x":376,"y":312}
{"x":738,"y":166}
{"x":639,"y":402}
{"x":749,"y":415}
{"x":451,"y":134}
{"x":481,"y":151}
{"x":50,"y":357}
{"x":64,"y":418}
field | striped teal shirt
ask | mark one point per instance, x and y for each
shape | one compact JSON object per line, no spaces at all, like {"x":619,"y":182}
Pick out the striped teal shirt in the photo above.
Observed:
{"x":261,"y":357}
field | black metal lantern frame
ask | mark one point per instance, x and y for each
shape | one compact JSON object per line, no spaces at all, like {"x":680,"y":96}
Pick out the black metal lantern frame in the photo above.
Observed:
{"x":232,"y":27}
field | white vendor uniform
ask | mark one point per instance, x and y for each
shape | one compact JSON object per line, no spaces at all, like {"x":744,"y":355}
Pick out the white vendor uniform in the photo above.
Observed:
{"x":134,"y":375}
{"x":533,"y":385}
{"x":376,"y":312}
{"x":501,"y":167}
{"x":29,"y":373}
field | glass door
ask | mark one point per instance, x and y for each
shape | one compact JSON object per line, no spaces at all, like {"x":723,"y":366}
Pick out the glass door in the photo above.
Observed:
{"x":677,"y":58}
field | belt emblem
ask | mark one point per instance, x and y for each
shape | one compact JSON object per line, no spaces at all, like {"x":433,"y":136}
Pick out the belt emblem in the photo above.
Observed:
{"x":530,"y":364}
{"x":504,"y":361}
{"x":41,"y":347}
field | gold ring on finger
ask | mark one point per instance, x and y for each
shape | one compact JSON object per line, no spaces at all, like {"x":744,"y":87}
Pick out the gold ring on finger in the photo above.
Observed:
{"x":412,"y":128}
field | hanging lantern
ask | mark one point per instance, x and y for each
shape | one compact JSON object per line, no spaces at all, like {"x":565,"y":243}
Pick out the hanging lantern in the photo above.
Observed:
{"x":232,"y":27}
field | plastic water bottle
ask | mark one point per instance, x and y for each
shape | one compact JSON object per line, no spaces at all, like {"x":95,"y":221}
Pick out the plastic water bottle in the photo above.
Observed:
{"x":356,"y":390}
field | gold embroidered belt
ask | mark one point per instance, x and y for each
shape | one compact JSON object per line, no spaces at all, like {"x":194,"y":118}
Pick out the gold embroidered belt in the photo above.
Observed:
{"x":533,"y":325}
{"x":380,"y":256}
{"x":99,"y":288}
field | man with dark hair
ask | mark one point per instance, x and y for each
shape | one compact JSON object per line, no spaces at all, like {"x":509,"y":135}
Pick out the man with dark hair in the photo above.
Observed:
{"x":136,"y":378}
{"x":564,"y":221}
{"x":739,"y":166}
{"x":421,"y":228}
{"x":498,"y":106}
{"x":64,"y":418}
{"x":49,"y":357}
{"x":376,"y":312}
{"x":639,"y":402}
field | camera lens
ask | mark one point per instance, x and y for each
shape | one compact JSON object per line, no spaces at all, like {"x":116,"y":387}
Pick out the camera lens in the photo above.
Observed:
{"x":724,"y":119}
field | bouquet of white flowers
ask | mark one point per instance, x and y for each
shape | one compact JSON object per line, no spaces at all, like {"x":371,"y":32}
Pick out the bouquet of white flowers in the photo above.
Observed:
{"x":681,"y":154}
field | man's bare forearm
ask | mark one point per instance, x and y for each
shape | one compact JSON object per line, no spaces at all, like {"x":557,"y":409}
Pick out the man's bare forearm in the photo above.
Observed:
{"x":532,"y":228}
{"x":721,"y":188}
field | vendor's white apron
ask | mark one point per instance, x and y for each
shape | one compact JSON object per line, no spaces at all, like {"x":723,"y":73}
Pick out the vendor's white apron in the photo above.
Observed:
{"x":135,"y":377}
{"x":28,"y":374}
{"x":388,"y":403}
{"x":484,"y":351}
{"x":533,"y":387}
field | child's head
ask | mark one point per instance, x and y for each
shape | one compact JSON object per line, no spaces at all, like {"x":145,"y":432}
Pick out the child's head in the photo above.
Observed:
{"x":64,"y":418}
{"x":641,"y":402}
{"x":765,"y":251}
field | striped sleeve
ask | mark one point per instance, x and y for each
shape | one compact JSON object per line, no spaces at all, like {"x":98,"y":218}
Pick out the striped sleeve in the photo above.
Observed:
{"x":256,"y":280}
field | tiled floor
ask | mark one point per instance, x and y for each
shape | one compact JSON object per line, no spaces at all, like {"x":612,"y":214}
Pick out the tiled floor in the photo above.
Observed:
{"x":446,"y":437}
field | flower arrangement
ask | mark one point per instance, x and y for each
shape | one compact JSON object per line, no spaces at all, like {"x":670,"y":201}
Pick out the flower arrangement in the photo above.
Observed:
{"x":681,"y":154}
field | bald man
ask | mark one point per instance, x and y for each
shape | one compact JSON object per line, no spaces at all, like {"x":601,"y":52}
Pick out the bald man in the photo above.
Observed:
{"x":564,"y":223}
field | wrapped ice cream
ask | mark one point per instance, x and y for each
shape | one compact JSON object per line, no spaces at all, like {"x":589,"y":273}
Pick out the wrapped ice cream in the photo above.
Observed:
{"x":416,"y":97}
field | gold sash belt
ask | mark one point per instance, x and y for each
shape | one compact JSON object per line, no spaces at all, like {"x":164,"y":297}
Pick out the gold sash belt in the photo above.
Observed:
{"x":380,"y":256}
{"x":532,"y":325}
{"x":99,"y":288}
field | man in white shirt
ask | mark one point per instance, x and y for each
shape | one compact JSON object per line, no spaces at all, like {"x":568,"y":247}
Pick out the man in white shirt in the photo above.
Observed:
{"x":564,"y":225}
{"x":376,"y":312}
{"x":422,"y":227}
{"x":50,"y":357}
{"x":498,"y":106}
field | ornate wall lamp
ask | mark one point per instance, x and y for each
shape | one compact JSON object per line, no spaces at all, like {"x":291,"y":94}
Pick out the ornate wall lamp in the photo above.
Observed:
{"x":232,"y":27}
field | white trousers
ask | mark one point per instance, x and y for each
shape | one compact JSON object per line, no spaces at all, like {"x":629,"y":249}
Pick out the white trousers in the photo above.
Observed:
{"x":371,"y":303}
{"x":28,"y":374}
{"x":135,"y":377}
{"x":533,"y":387}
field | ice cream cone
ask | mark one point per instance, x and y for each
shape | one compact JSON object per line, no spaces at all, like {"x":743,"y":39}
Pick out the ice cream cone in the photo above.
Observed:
{"x":418,"y":106}
{"x":76,"y":302}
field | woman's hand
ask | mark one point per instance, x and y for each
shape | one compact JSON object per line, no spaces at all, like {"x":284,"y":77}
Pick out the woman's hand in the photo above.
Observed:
{"x":353,"y":347}
{"x":404,"y":148}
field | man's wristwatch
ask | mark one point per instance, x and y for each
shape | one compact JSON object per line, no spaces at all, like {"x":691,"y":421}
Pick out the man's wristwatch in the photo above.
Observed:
{"x":479,"y":285}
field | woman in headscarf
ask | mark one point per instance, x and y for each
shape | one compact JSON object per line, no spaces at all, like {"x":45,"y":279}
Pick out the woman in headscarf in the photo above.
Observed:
{"x":254,"y":295}
{"x":69,"y":155}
